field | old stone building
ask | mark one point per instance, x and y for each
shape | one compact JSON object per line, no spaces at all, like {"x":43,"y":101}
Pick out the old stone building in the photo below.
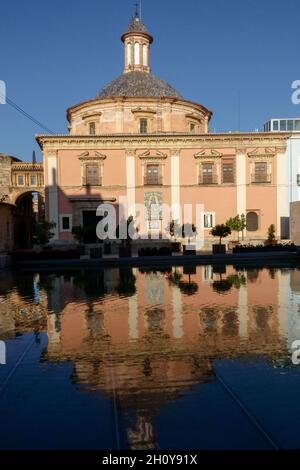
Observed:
{"x":21,"y":196}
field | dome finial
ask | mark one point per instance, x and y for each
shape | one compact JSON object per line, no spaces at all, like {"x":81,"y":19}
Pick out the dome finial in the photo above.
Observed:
{"x":137,"y":13}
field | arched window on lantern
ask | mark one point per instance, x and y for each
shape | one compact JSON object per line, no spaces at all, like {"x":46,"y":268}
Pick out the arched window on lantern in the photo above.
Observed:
{"x":145,"y":54}
{"x":137,"y":53}
{"x":252,"y":221}
{"x":129,"y":54}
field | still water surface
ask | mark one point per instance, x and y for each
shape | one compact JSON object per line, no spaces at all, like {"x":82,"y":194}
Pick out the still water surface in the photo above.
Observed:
{"x":178,"y":358}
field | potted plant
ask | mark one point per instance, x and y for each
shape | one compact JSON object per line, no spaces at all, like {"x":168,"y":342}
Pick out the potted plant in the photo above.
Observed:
{"x":220,"y":231}
{"x":236,"y":224}
{"x":175,"y":230}
{"x":271,"y":240}
{"x":188,"y":231}
{"x":44,"y":232}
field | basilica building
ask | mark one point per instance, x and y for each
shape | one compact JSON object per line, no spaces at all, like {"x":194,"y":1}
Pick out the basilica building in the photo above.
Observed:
{"x":139,"y":138}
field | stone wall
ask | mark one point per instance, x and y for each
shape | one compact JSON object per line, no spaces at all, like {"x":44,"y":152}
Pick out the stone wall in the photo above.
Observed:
{"x":295,"y":222}
{"x":5,"y":174}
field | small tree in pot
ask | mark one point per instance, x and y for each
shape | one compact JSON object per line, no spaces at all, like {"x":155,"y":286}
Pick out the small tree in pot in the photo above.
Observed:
{"x":237,"y":224}
{"x":44,"y":232}
{"x":175,"y":231}
{"x":189,"y":231}
{"x":271,"y":240}
{"x":220,"y":231}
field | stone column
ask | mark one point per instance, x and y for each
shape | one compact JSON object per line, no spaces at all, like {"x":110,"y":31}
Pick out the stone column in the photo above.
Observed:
{"x":175,"y":183}
{"x":130,"y":182}
{"x":283,"y":196}
{"x":51,"y":187}
{"x":241,"y":203}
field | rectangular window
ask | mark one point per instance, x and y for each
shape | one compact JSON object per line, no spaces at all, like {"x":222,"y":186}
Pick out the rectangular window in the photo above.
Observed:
{"x":275,"y":126}
{"x":143,"y":126}
{"x":282,"y":124}
{"x":32,"y":180}
{"x":261,"y":173}
{"x":207,"y":173}
{"x":92,"y":128}
{"x":153,"y":176}
{"x":92,"y":175}
{"x":208,"y":220}
{"x":21,"y":180}
{"x":65,"y":223}
{"x":290,"y":125}
{"x":228,"y":171}
{"x":297,"y":125}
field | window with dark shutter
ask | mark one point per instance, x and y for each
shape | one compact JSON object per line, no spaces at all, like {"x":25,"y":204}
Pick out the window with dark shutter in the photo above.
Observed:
{"x":153,"y":174}
{"x":207,"y":173}
{"x":252,"y":221}
{"x":228,"y":172}
{"x":261,"y":173}
{"x":143,"y":126}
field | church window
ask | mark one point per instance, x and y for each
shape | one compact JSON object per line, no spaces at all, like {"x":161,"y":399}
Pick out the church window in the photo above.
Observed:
{"x":92,"y":128}
{"x":143,"y":126}
{"x":137,"y":53}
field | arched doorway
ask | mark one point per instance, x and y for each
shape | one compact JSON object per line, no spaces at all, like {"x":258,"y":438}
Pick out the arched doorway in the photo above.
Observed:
{"x":29,"y":210}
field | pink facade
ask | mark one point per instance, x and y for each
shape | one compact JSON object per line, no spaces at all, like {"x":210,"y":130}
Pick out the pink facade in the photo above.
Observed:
{"x":140,"y":138}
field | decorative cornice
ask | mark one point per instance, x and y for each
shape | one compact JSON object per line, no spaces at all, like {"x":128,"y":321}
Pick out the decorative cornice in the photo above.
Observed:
{"x":141,"y":110}
{"x":259,"y":154}
{"x":157,"y":156}
{"x":86,"y":156}
{"x":172,"y":140}
{"x":208,"y":153}
{"x":91,"y":115}
{"x":194,"y":117}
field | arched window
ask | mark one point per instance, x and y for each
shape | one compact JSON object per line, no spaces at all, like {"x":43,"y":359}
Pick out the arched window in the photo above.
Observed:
{"x":137,"y":53}
{"x":145,"y":54}
{"x":129,"y":51}
{"x":252,"y":221}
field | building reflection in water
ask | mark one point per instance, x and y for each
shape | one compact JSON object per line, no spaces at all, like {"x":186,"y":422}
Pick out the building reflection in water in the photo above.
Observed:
{"x":146,"y":337}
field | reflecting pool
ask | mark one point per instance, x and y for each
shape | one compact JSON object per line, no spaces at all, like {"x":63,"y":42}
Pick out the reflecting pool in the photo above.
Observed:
{"x":172,"y":358}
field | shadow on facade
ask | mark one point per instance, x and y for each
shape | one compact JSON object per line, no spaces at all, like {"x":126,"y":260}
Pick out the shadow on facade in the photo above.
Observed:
{"x":80,"y":210}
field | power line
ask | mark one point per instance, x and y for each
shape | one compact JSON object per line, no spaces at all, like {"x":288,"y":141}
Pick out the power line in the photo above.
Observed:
{"x":27,"y":115}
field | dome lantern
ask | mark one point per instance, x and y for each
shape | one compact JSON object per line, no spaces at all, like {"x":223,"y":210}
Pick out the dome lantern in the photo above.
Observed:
{"x":137,"y":42}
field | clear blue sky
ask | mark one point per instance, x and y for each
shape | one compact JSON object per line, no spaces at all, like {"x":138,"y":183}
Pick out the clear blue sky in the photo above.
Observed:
{"x":56,"y":53}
